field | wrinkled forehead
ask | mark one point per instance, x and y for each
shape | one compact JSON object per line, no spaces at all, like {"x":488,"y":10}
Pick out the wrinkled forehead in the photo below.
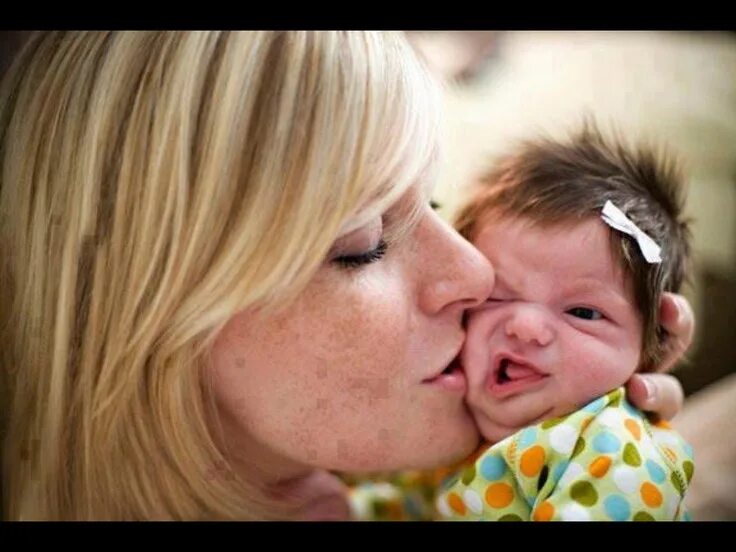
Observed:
{"x":566,"y":250}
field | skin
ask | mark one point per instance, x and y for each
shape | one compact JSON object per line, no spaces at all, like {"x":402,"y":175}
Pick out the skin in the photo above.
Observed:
{"x":338,"y":381}
{"x":562,"y":312}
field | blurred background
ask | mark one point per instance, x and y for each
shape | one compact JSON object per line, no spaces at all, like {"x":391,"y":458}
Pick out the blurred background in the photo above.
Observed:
{"x":675,"y":88}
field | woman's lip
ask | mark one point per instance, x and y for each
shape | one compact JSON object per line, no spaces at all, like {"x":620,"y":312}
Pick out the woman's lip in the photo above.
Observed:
{"x":450,"y":366}
{"x":452,"y":381}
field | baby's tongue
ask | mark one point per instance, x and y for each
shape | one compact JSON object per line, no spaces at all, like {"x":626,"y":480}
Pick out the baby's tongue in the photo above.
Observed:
{"x":516,"y":371}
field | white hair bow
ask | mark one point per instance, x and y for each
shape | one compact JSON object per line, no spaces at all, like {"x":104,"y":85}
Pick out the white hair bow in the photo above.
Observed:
{"x":615,"y":218}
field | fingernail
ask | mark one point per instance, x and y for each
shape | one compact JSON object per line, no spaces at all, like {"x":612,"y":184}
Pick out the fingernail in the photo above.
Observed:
{"x":680,"y":309}
{"x":650,"y":390}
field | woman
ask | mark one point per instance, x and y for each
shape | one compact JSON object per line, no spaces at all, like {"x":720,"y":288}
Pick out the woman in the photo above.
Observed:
{"x":222,"y":277}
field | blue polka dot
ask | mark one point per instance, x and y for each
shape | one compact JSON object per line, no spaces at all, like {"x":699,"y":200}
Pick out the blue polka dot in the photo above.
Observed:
{"x":617,"y":508}
{"x":449,"y":481}
{"x":687,"y":516}
{"x":492,"y":467}
{"x":606,"y":442}
{"x":688,"y":450}
{"x":412,"y":507}
{"x":596,"y":405}
{"x":559,"y":470}
{"x":655,"y":471}
{"x":528,"y":437}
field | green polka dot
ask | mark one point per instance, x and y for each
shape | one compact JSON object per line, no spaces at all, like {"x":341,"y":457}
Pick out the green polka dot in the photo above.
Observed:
{"x":510,"y":517}
{"x":643,"y":516}
{"x":688,"y":467}
{"x":380,"y":509}
{"x":631,"y":455}
{"x":584,"y":493}
{"x":579,"y":446}
{"x":614,"y":397}
{"x":468,"y":475}
{"x":677,"y":483}
{"x":553,"y":422}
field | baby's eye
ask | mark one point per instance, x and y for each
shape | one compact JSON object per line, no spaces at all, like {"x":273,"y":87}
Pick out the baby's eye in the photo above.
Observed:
{"x":585,"y":313}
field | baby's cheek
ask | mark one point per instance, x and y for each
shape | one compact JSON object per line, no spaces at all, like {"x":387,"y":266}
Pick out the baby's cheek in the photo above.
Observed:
{"x":595,"y":371}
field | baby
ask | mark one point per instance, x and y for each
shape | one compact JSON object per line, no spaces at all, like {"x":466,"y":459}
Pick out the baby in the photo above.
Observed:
{"x":584,"y":237}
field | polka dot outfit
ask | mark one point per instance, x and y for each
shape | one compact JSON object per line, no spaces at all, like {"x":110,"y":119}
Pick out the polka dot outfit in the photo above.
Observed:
{"x":605,"y":461}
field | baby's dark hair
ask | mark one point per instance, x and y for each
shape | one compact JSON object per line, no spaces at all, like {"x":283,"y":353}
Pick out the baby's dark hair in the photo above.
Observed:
{"x":551,"y":182}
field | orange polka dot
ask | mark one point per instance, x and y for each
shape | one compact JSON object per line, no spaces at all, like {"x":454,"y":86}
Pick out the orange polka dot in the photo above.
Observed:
{"x":670,"y":454}
{"x":599,"y":466}
{"x":650,"y":495}
{"x":532,"y":461}
{"x":585,"y":424}
{"x":499,"y":495}
{"x":544,"y":512}
{"x":634,"y":428}
{"x":456,"y":503}
{"x":662,"y":424}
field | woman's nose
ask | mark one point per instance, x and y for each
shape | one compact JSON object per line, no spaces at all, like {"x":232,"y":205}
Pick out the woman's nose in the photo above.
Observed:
{"x":460,"y":275}
{"x":529,"y":324}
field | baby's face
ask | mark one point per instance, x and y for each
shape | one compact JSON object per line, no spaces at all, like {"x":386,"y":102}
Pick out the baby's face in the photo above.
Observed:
{"x":560,"y":328}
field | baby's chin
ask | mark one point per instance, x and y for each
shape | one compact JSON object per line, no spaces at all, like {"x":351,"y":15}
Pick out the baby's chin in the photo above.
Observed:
{"x":496,"y":421}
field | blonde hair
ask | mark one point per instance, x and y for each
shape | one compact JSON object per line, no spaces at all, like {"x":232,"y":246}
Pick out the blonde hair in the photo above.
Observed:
{"x":153,"y":184}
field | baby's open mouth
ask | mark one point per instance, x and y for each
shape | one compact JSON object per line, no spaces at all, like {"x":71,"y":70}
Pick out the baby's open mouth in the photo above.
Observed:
{"x":511,"y":371}
{"x":512,"y":374}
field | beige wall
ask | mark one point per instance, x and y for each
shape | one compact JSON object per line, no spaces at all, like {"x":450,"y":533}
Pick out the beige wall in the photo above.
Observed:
{"x":678,"y":88}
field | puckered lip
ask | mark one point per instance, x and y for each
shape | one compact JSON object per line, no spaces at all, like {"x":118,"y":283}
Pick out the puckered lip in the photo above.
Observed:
{"x":451,"y":365}
{"x":503,"y":388}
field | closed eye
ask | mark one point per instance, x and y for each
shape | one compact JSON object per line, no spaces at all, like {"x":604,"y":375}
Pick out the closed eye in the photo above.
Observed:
{"x":585,"y":313}
{"x":361,"y":259}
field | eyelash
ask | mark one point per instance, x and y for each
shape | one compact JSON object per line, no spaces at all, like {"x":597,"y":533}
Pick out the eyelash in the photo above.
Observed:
{"x":600,"y":317}
{"x":361,"y":259}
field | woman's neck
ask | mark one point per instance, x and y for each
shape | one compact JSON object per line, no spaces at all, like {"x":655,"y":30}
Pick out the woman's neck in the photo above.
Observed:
{"x":322,"y":496}
{"x":316,"y":493}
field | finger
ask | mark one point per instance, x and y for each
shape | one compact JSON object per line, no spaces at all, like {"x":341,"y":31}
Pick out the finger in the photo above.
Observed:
{"x":658,"y":393}
{"x":678,"y":320}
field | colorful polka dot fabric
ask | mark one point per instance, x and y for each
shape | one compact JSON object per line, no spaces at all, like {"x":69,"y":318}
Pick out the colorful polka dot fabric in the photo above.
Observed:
{"x":605,"y":461}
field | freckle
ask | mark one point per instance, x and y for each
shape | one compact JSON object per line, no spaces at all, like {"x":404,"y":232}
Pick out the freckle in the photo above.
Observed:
{"x":322,"y":373}
{"x":343,"y":451}
{"x":240,"y":362}
{"x":322,"y":404}
{"x":382,"y":388}
{"x":384,"y":435}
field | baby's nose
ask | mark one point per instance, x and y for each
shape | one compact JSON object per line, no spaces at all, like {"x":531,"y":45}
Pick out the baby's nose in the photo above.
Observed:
{"x":530,"y":324}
